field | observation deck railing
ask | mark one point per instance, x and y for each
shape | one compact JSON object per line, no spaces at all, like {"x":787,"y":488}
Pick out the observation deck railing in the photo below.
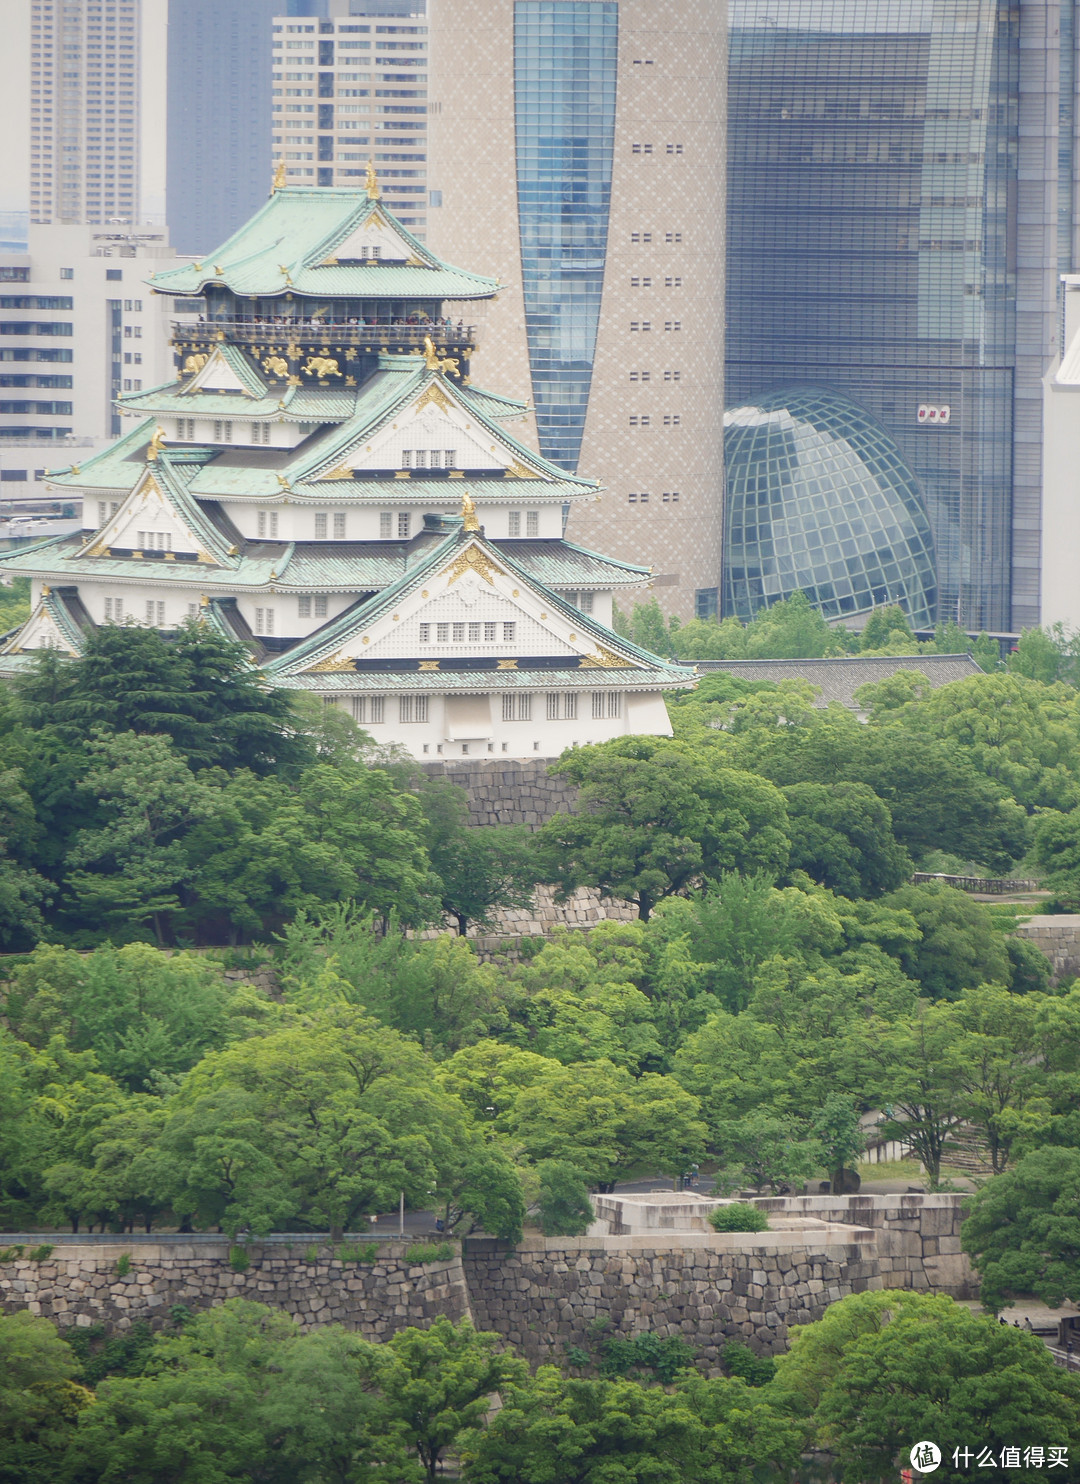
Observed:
{"x":326,"y":335}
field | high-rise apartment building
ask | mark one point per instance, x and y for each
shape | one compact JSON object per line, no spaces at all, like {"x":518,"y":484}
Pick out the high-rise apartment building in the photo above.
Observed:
{"x":352,"y":88}
{"x":218,"y":150}
{"x":84,"y":124}
{"x":577,"y":153}
{"x":900,"y":197}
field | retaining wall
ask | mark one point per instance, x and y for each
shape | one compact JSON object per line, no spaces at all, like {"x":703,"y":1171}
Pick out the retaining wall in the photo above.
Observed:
{"x":539,"y":1296}
{"x":1059,"y":938}
{"x":505,"y":792}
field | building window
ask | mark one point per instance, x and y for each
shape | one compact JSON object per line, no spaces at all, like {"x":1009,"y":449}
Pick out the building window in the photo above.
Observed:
{"x":672,"y":420}
{"x":425,"y":633}
{"x":706,"y":602}
{"x":513,"y":523}
{"x":442,"y":633}
{"x":640,"y":376}
{"x":672,"y":376}
{"x":459,"y":633}
{"x":671,"y":497}
{"x":303,"y":606}
{"x":264,"y":620}
{"x":412,"y":708}
{"x":185,"y":428}
{"x":673,"y":283}
{"x":320,"y":605}
{"x":640,"y":283}
{"x":386,"y":524}
{"x":222,"y":431}
{"x":154,"y":540}
{"x":369,"y":710}
{"x":674,"y":149}
{"x":562,"y":707}
{"x":320,"y":525}
{"x":509,"y":630}
{"x":517,"y":707}
{"x":606,"y":704}
{"x":585,"y":602}
{"x":672,"y":236}
{"x":67,"y":272}
{"x":673,"y":324}
{"x":268,"y":523}
{"x":642,"y":149}
{"x":260,"y":432}
{"x":640,"y":236}
{"x":339,"y":525}
{"x":490,"y":633}
{"x":114,"y":609}
{"x":639,"y":421}
{"x":155,"y":613}
{"x":404,"y":520}
{"x":643,"y":325}
{"x":532,"y":522}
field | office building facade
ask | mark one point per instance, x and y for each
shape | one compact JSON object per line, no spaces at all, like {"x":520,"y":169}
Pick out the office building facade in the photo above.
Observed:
{"x":583,"y":166}
{"x":84,"y":115}
{"x":900,"y":196}
{"x":349,"y":88}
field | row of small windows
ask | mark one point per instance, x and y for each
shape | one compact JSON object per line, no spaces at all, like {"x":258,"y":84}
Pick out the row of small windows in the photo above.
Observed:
{"x":645,"y":325}
{"x":429,"y":458}
{"x":642,"y":497}
{"x":647,"y":149}
{"x":475,"y":633}
{"x":154,"y":540}
{"x":670,"y":282}
{"x":648,"y":237}
{"x":559,"y":706}
{"x":647,"y":376}
{"x":644,"y":420}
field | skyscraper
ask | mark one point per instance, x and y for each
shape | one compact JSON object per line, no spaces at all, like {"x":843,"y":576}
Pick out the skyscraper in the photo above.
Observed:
{"x":326,"y":129}
{"x":900,"y":194}
{"x":577,"y":154}
{"x":84,"y":124}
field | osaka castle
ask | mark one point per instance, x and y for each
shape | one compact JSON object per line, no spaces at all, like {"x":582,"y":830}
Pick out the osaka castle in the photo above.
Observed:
{"x":322,"y":481}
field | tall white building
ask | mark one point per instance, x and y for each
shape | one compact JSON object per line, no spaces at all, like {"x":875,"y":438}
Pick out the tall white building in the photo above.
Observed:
{"x":78,"y":328}
{"x":353,"y":88}
{"x":84,"y":116}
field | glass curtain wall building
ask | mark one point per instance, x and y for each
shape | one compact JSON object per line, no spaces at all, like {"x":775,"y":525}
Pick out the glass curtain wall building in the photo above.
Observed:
{"x":583,"y":165}
{"x":876,"y":181}
{"x":565,"y":69}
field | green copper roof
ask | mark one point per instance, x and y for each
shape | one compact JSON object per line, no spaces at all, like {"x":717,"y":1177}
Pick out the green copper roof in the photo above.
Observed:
{"x":328,"y":640}
{"x":289,"y":246}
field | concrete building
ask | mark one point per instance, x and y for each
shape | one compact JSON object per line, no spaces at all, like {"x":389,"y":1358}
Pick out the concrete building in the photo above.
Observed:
{"x":219,"y":160}
{"x":577,"y":154}
{"x":901,"y":197}
{"x":352,"y":88}
{"x":78,"y":328}
{"x":84,"y":115}
{"x":1061,"y":471}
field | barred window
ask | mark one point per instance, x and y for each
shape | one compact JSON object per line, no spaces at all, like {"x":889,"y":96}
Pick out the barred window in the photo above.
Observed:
{"x":303,"y":606}
{"x":597,"y":704}
{"x":459,"y":633}
{"x":517,"y":707}
{"x":490,"y":632}
{"x":509,"y":630}
{"x":320,"y":605}
{"x":513,"y":523}
{"x":268,"y":523}
{"x":425,"y":633}
{"x":368,"y":710}
{"x":442,"y":632}
{"x":412,"y":708}
{"x":404,"y":520}
{"x":532,"y":523}
{"x":339,"y":525}
{"x":386,"y":524}
{"x":320,"y":525}
{"x":155,"y":613}
{"x":474,"y":633}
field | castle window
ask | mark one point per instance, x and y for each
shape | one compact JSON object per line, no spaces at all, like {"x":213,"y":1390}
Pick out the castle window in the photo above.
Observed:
{"x":489,"y":633}
{"x":386,"y":524}
{"x":517,"y":707}
{"x":222,"y":431}
{"x":532,"y":522}
{"x":369,"y":710}
{"x":155,"y":613}
{"x":508,"y":633}
{"x":185,"y":428}
{"x":114,"y":610}
{"x":260,"y":432}
{"x":404,"y":520}
{"x":459,"y":633}
{"x":425,"y":633}
{"x":339,"y":525}
{"x":320,"y":525}
{"x":320,"y":605}
{"x":513,"y":523}
{"x":264,"y":620}
{"x":303,"y":607}
{"x":442,"y":633}
{"x":562,"y":707}
{"x":474,"y":633}
{"x":268,"y":523}
{"x":412,"y":708}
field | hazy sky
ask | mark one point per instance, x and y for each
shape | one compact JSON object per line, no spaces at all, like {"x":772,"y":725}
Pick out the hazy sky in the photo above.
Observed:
{"x":15,"y":106}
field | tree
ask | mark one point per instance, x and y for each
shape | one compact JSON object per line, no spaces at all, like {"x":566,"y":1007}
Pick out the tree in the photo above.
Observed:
{"x":144,"y":1015}
{"x":656,"y":816}
{"x":769,"y":1150}
{"x":437,"y":1384}
{"x":937,"y":1371}
{"x":137,"y":859}
{"x":882,"y":627}
{"x":565,"y":1208}
{"x":842,"y":835}
{"x":1023,"y":1230}
{"x":960,"y":945}
{"x":736,"y":926}
{"x":837,"y":1129}
{"x":1055,"y":854}
{"x":39,"y":1399}
{"x":610,"y":1125}
{"x":481,"y":869}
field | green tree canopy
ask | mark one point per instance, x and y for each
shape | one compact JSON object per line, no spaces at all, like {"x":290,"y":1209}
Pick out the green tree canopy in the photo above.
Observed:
{"x":1023,"y":1230}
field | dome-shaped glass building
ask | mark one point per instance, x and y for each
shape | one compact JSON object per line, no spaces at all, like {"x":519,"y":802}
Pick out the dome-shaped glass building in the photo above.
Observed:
{"x":820,"y":499}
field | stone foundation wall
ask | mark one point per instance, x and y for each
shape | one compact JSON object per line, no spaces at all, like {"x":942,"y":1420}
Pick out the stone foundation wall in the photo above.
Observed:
{"x":541,"y":1295}
{"x":79,"y":1284}
{"x":1059,"y":938}
{"x":505,"y":792}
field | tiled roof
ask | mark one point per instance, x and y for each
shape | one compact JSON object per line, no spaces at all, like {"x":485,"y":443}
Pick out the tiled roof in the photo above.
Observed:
{"x":562,"y":564}
{"x":471,"y":681}
{"x":285,"y":246}
{"x":839,"y":678}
